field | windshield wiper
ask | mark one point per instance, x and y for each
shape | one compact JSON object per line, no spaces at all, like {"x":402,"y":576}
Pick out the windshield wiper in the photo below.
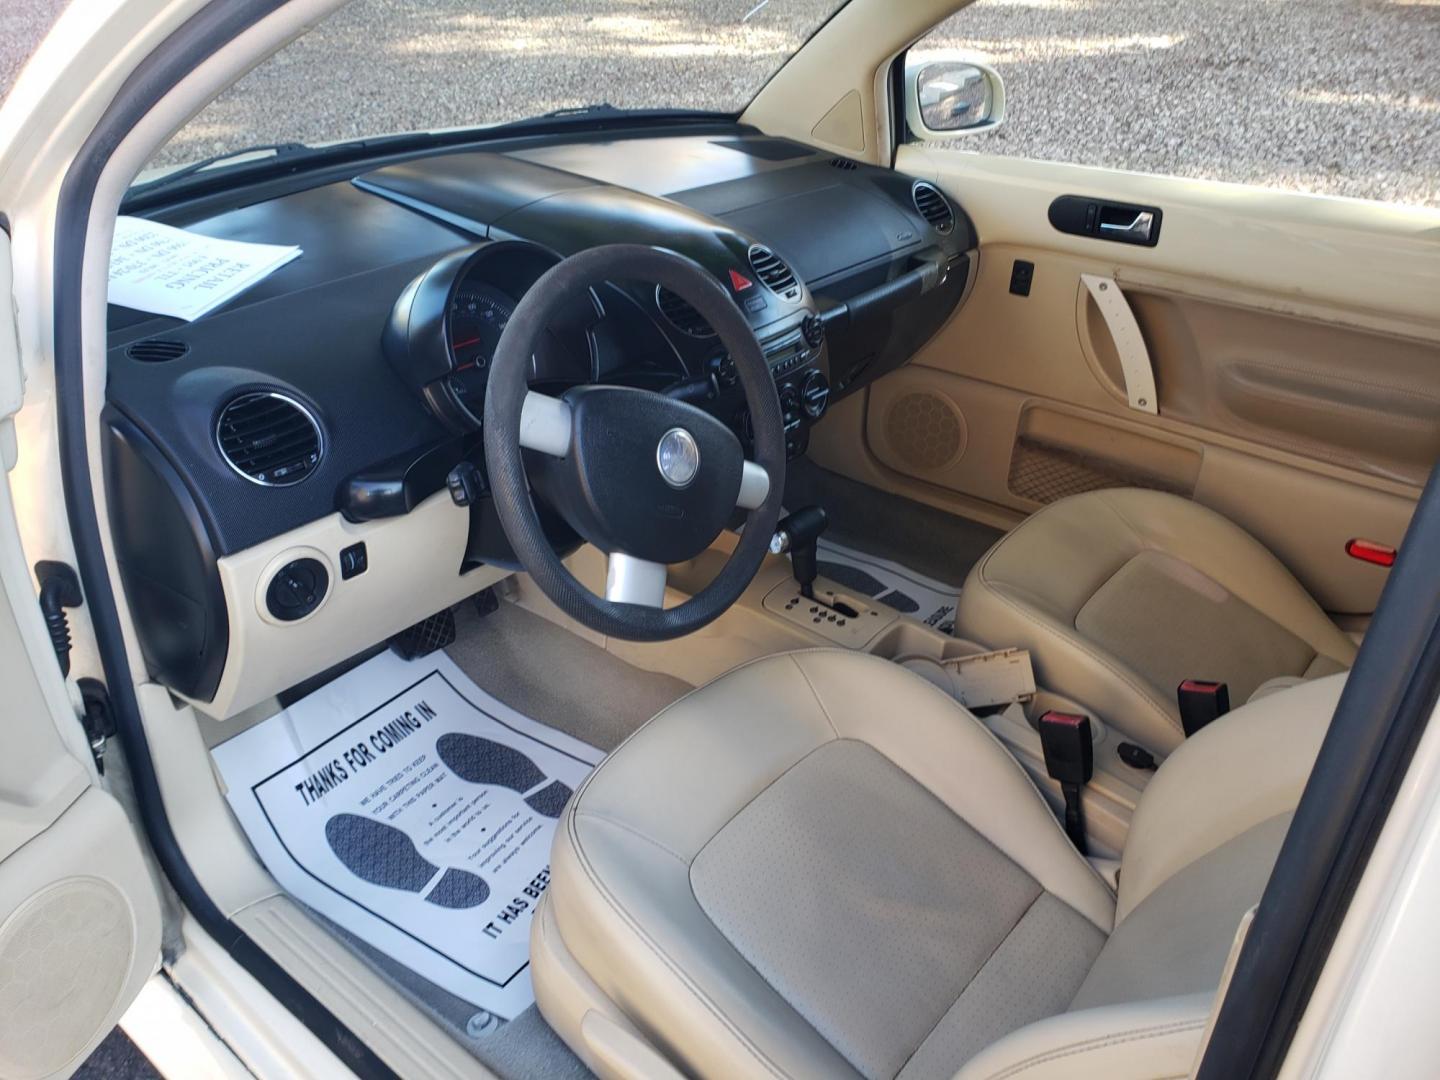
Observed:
{"x":278,"y":150}
{"x":604,"y":108}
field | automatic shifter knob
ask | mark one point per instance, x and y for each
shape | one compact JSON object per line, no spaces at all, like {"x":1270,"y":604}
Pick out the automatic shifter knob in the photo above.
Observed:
{"x":798,"y":534}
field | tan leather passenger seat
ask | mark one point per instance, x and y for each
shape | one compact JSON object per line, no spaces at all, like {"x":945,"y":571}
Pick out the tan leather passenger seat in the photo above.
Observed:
{"x":821,"y":865}
{"x":1121,"y":595}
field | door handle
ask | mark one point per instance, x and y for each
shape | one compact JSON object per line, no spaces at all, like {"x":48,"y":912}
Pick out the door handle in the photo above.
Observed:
{"x":1138,"y":230}
{"x":1101,"y":219}
{"x":1135,"y":366}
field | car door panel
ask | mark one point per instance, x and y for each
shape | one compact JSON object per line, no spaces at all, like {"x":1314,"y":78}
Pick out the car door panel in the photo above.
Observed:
{"x":79,"y":911}
{"x":1360,"y":399}
{"x":1293,"y":343}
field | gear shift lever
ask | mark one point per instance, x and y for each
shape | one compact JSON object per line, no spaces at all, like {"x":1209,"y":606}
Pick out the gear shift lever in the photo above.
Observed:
{"x":798,"y":534}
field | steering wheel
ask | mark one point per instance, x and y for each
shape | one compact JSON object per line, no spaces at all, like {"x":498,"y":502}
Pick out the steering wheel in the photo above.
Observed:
{"x":647,"y":479}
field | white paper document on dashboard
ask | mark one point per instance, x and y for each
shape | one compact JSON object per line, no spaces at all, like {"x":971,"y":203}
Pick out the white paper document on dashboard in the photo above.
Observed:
{"x":415,"y":810}
{"x":169,"y":271}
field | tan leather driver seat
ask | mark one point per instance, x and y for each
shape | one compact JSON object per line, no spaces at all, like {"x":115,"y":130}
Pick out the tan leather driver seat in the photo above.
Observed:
{"x":820,"y":865}
{"x":1121,"y":595}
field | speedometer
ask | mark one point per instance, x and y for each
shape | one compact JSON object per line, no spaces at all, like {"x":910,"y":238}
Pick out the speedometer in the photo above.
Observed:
{"x":476,"y":320}
{"x":445,"y":328}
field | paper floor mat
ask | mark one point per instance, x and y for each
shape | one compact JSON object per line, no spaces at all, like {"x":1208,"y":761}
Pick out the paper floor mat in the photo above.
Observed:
{"x":409,"y":806}
{"x":898,"y":587}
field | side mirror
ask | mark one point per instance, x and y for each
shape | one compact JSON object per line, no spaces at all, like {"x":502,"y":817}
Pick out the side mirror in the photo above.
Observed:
{"x":947,"y":96}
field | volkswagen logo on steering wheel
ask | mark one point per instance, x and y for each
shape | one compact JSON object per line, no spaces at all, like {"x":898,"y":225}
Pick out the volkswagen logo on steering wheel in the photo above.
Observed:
{"x":678,"y":457}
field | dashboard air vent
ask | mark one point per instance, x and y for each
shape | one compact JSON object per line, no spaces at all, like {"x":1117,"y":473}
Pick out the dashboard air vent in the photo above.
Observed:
{"x":933,"y":206}
{"x":681,"y":315}
{"x":771,"y":270}
{"x":269,"y":438}
{"x":156,"y":350}
{"x":844,"y":164}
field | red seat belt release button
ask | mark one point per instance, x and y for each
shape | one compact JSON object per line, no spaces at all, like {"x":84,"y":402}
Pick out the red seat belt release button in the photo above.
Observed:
{"x":1201,"y":702}
{"x":1069,"y":750}
{"x":1371,"y":551}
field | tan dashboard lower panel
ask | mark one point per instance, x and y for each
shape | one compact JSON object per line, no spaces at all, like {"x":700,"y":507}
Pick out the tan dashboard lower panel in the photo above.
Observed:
{"x":414,"y":571}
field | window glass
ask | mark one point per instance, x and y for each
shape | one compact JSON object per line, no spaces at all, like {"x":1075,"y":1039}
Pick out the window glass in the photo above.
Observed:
{"x":1338,"y":97}
{"x":382,"y":66}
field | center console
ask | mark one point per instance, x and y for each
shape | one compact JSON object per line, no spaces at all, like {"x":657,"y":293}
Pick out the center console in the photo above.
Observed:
{"x":797,"y":363}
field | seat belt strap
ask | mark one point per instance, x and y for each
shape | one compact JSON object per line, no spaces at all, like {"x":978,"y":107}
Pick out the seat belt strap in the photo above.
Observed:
{"x":1201,"y":702}
{"x":1069,"y":753}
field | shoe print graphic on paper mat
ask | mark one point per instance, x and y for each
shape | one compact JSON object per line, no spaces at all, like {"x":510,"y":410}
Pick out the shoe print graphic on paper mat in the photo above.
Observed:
{"x":384,"y":855}
{"x":482,"y":761}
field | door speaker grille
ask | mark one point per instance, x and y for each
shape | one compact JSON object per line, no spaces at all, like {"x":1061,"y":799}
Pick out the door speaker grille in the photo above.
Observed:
{"x":65,"y":954}
{"x":925,"y":431}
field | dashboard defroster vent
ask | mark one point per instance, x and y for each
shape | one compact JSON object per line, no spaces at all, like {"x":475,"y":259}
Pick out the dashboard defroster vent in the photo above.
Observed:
{"x":156,"y":350}
{"x":269,"y":439}
{"x":844,"y":164}
{"x":681,"y":315}
{"x":772,"y":270}
{"x":933,"y":206}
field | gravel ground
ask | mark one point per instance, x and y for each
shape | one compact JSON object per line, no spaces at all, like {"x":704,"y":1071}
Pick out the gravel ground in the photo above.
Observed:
{"x":1333,"y":96}
{"x":1340,"y":97}
{"x":22,"y":24}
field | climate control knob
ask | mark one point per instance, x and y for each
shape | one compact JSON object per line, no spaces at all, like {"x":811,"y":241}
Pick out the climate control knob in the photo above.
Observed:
{"x":790,"y":403}
{"x":815,"y":394}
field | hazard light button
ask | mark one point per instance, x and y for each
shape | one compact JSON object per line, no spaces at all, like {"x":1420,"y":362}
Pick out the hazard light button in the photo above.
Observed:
{"x":739,"y":282}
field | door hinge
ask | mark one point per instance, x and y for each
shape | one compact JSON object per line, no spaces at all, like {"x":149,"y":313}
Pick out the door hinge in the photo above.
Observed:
{"x":97,"y":718}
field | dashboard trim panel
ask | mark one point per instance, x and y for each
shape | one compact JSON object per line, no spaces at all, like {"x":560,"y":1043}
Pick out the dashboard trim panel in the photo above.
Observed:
{"x":376,"y":373}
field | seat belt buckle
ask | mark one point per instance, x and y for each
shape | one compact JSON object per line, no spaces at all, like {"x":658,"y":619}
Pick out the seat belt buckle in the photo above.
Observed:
{"x":1201,"y":702}
{"x":1069,"y":749}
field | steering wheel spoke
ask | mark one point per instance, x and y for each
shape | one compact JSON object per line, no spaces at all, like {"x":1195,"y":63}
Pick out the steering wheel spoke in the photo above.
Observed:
{"x":754,"y":486}
{"x":545,"y":424}
{"x":629,"y":580}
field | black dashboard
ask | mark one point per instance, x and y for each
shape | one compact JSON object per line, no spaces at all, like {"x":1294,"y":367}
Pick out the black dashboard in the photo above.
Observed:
{"x":352,"y":380}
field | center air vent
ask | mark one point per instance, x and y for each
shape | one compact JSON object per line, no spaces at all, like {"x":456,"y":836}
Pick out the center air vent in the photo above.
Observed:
{"x":771,"y":270}
{"x":933,"y":206}
{"x":156,"y":350}
{"x":269,"y":438}
{"x":681,"y":315}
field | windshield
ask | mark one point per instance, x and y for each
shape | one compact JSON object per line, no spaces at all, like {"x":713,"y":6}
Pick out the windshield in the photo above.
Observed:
{"x":383,"y":66}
